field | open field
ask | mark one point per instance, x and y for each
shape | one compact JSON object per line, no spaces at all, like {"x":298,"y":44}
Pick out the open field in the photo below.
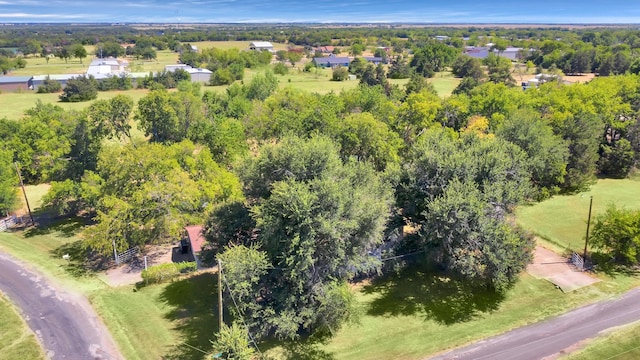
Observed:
{"x":562,"y":220}
{"x":621,"y":344}
{"x":17,"y":341}
{"x":13,"y":105}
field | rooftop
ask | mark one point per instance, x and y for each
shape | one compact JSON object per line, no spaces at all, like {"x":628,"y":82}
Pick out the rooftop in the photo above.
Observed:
{"x":14,"y":79}
{"x":196,"y":239}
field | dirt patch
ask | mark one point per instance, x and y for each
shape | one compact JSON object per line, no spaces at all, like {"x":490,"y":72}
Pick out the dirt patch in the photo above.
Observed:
{"x":572,"y":79}
{"x":557,"y":269}
{"x":130,"y":273}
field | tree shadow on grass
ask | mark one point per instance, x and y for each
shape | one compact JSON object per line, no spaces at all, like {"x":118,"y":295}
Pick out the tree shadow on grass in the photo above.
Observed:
{"x":606,"y":264}
{"x":65,"y":226}
{"x":194,"y":306}
{"x":80,"y":262}
{"x":440,"y":297}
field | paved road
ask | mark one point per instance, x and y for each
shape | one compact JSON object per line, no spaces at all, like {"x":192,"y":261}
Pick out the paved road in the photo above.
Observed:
{"x":65,"y":324}
{"x":552,"y":336}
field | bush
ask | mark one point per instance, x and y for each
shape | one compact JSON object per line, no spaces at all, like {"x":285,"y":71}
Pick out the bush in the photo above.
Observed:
{"x":49,"y":86}
{"x":79,"y":89}
{"x":165,"y":272}
{"x":280,"y":69}
{"x":340,"y":74}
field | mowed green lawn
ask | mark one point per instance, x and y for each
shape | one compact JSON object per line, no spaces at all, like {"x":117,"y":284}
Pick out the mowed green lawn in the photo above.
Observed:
{"x":621,"y":344}
{"x":562,"y":220}
{"x":17,"y":341}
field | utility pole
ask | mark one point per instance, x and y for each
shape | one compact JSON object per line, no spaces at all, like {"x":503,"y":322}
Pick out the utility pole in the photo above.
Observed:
{"x":586,"y":239}
{"x":24,"y":193}
{"x":220,"y":294}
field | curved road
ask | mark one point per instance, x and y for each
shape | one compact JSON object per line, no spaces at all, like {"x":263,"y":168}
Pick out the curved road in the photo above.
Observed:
{"x":552,"y":336}
{"x":65,"y":324}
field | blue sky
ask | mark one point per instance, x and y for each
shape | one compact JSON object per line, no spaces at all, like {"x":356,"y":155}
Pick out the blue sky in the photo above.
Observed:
{"x":323,"y":11}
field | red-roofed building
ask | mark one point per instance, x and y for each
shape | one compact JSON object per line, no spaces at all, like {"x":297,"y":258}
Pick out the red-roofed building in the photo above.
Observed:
{"x":196,"y":240}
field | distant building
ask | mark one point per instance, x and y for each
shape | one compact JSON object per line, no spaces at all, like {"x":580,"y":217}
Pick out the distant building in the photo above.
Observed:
{"x":331,"y":61}
{"x":107,"y":66}
{"x":14,"y":83}
{"x":481,"y":52}
{"x":61,"y":78}
{"x":374,"y":59}
{"x":442,"y":37}
{"x":325,"y":49}
{"x":261,"y":45}
{"x":197,"y":74}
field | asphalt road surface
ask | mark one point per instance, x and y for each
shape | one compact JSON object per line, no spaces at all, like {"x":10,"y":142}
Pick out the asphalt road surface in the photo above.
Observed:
{"x":65,"y":324}
{"x":550,"y":337}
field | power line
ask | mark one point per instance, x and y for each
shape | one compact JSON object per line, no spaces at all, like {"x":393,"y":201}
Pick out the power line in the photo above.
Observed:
{"x":195,"y":348}
{"x":242,"y":317}
{"x":401,"y":256}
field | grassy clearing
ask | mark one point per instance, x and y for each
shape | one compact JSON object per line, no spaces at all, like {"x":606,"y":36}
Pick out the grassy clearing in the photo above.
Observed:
{"x":562,"y":220}
{"x":444,"y":83}
{"x":14,"y":105}
{"x":17,"y":342}
{"x":621,"y":344}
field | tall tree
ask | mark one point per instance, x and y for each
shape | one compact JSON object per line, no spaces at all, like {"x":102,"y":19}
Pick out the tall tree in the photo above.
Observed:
{"x":316,"y":218}
{"x":8,"y":182}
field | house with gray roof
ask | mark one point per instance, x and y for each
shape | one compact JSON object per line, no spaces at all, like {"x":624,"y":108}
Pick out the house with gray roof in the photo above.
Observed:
{"x":331,"y":61}
{"x":14,"y":83}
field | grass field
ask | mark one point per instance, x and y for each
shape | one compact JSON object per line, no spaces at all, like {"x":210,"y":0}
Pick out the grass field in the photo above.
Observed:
{"x":17,"y":341}
{"x":622,"y":344}
{"x":562,"y":220}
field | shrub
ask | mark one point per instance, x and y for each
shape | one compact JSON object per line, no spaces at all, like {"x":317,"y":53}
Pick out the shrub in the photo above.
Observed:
{"x":340,"y":74}
{"x":280,"y":69}
{"x":49,"y":86}
{"x":165,"y":272}
{"x":79,"y":89}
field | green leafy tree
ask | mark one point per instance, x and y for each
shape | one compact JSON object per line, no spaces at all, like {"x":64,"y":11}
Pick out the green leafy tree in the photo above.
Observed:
{"x":316,"y":218}
{"x":81,"y":88}
{"x":617,"y":234}
{"x":111,"y":117}
{"x":157,"y":118}
{"x":8,"y":182}
{"x":262,"y":86}
{"x":499,"y":69}
{"x":233,"y":343}
{"x":340,"y":74}
{"x":617,"y":159}
{"x":49,"y":86}
{"x":547,"y":153}
{"x":149,"y":193}
{"x":367,"y":139}
{"x":469,"y":240}
{"x":78,"y":51}
{"x":62,"y":53}
{"x":466,"y":66}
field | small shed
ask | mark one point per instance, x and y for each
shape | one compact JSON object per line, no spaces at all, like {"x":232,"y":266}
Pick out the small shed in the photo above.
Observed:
{"x":261,"y":45}
{"x":14,"y":83}
{"x":196,"y":240}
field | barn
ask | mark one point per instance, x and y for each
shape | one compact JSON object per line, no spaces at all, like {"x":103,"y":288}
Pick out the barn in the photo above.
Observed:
{"x":14,"y":83}
{"x":37,"y":80}
{"x":261,"y":45}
